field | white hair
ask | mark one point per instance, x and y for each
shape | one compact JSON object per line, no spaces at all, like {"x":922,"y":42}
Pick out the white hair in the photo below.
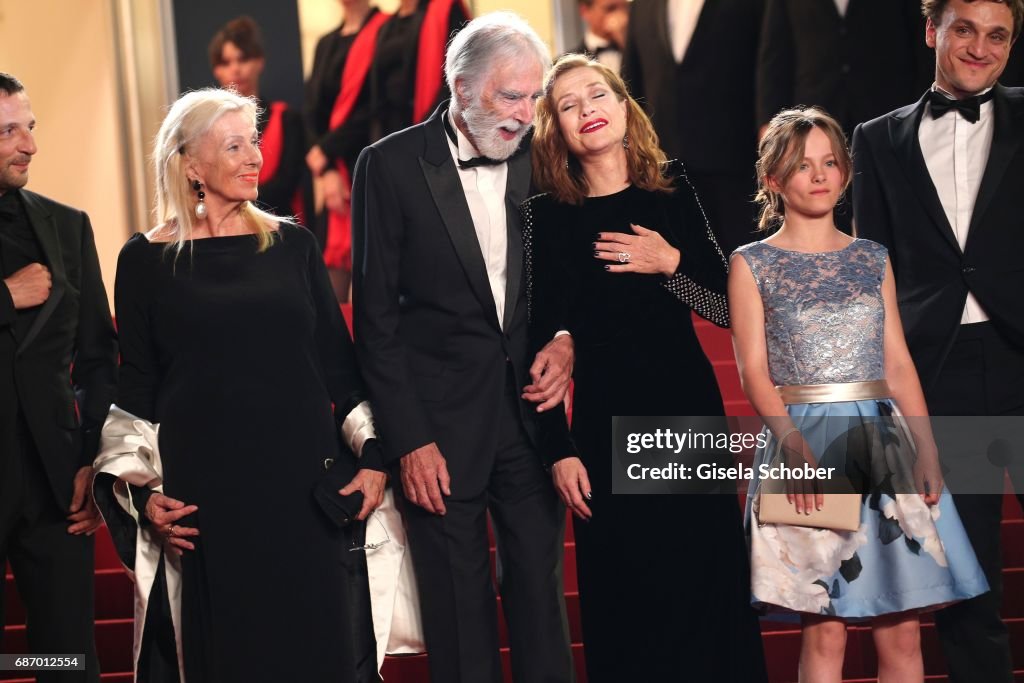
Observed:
{"x":187,"y":121}
{"x":474,"y":49}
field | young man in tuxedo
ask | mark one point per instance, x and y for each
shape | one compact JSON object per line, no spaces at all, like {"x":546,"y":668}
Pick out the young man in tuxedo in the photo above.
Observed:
{"x":441,"y":333}
{"x":53,"y":316}
{"x":939,"y":183}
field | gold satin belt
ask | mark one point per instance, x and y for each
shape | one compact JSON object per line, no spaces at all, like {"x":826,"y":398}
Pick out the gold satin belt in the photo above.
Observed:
{"x":834,"y":393}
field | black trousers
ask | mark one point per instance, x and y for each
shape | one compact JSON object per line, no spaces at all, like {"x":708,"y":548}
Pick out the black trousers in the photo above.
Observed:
{"x":452,"y":561}
{"x":983,"y":375}
{"x":53,"y":570}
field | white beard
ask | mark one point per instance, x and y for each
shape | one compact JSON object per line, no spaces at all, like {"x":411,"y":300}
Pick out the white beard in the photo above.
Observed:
{"x":483,"y":131}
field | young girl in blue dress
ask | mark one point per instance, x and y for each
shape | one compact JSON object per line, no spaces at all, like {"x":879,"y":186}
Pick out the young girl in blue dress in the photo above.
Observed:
{"x":820,"y":349}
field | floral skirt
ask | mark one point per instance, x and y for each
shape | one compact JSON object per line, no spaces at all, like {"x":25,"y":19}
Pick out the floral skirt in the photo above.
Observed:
{"x":906,"y":555}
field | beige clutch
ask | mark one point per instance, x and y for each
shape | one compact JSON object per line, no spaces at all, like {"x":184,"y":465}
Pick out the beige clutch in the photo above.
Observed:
{"x":840,"y":512}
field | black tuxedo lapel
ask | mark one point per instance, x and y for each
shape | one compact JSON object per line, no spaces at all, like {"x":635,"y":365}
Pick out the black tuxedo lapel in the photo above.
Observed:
{"x":701,"y":33}
{"x":443,"y":180}
{"x":46,"y":232}
{"x":903,"y":133}
{"x":1006,"y":139}
{"x":659,"y":8}
{"x":517,"y":186}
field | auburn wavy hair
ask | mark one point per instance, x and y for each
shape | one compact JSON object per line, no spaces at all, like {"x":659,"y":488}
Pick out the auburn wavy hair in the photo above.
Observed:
{"x":559,"y":173}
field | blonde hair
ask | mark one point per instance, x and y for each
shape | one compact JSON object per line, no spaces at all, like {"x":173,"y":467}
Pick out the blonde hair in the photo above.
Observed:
{"x":187,"y":121}
{"x":782,"y":149}
{"x":557,"y":172}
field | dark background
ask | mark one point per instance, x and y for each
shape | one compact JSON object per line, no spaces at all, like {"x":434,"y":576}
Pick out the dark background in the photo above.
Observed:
{"x":195,"y":22}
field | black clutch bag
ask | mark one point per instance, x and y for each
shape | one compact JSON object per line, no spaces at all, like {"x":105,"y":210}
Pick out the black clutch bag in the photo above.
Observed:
{"x":341,"y":510}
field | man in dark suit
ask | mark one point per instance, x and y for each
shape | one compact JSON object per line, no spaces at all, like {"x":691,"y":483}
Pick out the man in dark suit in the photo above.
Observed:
{"x":53,"y":315}
{"x":441,"y":332}
{"x":939,"y":183}
{"x":826,"y":53}
{"x":692,"y":64}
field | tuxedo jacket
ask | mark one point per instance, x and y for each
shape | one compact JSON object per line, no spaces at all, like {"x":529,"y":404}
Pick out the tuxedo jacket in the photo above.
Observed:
{"x":426,"y":329}
{"x":702,"y":108}
{"x":68,"y":357}
{"x":810,"y":54}
{"x":896,"y":203}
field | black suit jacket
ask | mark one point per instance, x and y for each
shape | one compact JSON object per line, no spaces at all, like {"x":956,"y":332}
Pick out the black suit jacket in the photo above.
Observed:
{"x":703,"y":108}
{"x":895,"y":203}
{"x":69,"y":353}
{"x":427,"y":335}
{"x":809,"y":54}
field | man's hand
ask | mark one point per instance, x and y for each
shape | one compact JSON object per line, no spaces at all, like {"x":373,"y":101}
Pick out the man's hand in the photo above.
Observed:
{"x":85,"y":517}
{"x":425,"y":478}
{"x":29,"y":286}
{"x":163,"y":511}
{"x":573,"y":485}
{"x":371,"y":483}
{"x":551,"y":372}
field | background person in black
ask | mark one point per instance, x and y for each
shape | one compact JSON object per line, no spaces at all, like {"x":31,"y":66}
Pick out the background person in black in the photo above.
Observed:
{"x":604,"y":31}
{"x":53,"y":314}
{"x":692,"y":66}
{"x":406,"y":79}
{"x":626,"y":299}
{"x":237,"y":59}
{"x":857,"y":59}
{"x":954,"y":236}
{"x":339,"y":130}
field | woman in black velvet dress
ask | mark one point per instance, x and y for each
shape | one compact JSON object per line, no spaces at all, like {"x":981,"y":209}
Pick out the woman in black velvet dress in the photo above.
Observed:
{"x":231,"y":340}
{"x":620,"y":253}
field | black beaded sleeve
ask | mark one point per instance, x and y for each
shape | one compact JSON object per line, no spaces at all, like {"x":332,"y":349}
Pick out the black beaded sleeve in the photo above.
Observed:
{"x":699,"y":281}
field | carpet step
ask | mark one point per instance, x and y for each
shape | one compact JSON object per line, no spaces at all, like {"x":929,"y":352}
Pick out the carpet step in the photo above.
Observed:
{"x":782,"y":651}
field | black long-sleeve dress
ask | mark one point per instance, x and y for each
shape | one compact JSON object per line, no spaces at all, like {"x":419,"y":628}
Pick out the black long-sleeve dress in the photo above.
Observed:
{"x":664,"y":579}
{"x":347,"y":141}
{"x":393,"y":78}
{"x":238,"y":356}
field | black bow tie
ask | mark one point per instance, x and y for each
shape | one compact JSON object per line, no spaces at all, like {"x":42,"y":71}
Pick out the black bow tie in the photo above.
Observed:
{"x":969,"y":107}
{"x":467,"y":163}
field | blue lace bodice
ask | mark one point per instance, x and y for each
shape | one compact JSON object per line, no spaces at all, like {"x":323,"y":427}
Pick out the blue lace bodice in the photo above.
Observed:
{"x":824,"y":315}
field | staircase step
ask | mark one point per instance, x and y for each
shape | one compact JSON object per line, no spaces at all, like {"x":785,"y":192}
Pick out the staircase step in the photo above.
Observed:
{"x":113,"y":643}
{"x":782,"y":651}
{"x":413,"y":668}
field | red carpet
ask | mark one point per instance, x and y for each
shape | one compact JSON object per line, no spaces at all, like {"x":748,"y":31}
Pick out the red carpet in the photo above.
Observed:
{"x":114,"y":592}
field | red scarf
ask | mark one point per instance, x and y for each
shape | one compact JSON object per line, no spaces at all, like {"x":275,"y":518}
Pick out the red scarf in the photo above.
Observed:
{"x":338,"y":249}
{"x":430,"y":56}
{"x":272,"y":147}
{"x":272,"y":141}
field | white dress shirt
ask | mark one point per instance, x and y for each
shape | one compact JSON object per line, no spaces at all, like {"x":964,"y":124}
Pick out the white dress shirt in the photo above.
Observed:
{"x":484,"y":187}
{"x":956,"y":153}
{"x":609,"y":55}
{"x":841,"y":7}
{"x":682,"y":21}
